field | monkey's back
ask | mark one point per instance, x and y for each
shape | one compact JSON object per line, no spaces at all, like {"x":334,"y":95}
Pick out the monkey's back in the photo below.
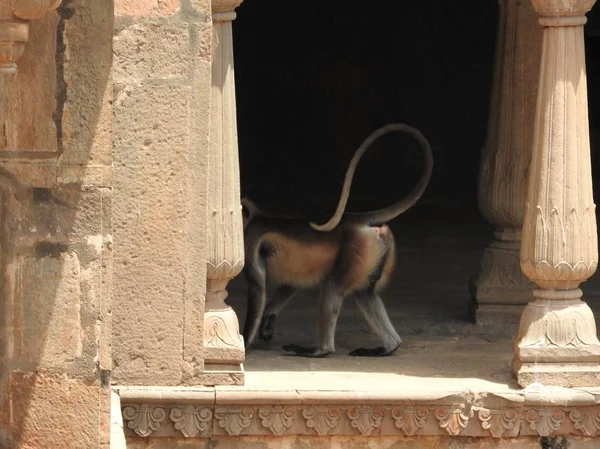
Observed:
{"x":295,"y":254}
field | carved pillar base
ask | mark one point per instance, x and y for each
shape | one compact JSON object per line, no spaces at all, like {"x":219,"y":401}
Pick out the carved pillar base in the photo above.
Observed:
{"x":500,"y":291}
{"x":557,"y":343}
{"x":224,"y":352}
{"x":14,"y":28}
{"x":14,"y":33}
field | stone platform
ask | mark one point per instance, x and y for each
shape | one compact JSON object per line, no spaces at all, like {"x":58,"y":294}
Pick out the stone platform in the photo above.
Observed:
{"x":449,"y":384}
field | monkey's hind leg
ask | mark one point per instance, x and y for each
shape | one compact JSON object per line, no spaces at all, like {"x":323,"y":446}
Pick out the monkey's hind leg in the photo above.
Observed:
{"x":331,"y":304}
{"x":281,"y":298}
{"x":257,"y":298}
{"x":373,"y":309}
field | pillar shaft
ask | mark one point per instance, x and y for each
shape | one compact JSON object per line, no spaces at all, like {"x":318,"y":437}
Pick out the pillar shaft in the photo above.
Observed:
{"x":557,"y":342}
{"x":223,"y":344}
{"x":500,"y":291}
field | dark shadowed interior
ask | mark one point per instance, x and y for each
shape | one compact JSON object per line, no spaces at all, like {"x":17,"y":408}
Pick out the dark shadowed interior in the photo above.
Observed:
{"x":315,"y":77}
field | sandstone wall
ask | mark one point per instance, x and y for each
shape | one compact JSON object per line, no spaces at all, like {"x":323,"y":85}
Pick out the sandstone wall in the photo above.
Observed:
{"x":55,"y":233}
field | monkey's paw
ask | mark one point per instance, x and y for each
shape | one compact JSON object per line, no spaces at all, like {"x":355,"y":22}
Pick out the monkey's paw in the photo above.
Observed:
{"x":267,"y":330}
{"x":303,"y":351}
{"x":380,"y":351}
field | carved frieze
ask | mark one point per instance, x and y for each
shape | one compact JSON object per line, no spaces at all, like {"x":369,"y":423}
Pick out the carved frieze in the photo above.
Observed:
{"x":545,"y":421}
{"x":322,"y":419}
{"x":191,"y":420}
{"x":276,"y":418}
{"x":410,"y":419}
{"x":203,"y":421}
{"x":452,"y":419}
{"x":234,"y":420}
{"x":366,"y":419}
{"x":500,"y":422}
{"x":144,"y":419}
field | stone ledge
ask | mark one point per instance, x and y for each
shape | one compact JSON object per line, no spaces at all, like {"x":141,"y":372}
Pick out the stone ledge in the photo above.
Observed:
{"x":229,"y":411}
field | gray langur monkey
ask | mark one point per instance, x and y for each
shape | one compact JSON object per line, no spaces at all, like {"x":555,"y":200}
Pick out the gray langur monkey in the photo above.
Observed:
{"x":352,"y":255}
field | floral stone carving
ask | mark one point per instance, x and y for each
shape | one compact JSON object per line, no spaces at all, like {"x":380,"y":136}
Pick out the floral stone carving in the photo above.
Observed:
{"x":14,"y":28}
{"x":144,"y":419}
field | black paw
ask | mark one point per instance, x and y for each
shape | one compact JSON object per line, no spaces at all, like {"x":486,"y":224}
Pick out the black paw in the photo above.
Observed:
{"x":267,"y":330}
{"x":304,"y":351}
{"x":380,"y":351}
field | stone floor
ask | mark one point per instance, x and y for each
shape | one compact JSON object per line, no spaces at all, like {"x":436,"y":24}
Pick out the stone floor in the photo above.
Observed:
{"x":427,"y":301}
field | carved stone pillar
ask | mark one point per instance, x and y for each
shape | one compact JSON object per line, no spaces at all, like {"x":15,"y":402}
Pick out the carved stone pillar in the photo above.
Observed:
{"x":500,"y":291}
{"x":224,"y":346}
{"x":557,"y":342}
{"x":14,"y":28}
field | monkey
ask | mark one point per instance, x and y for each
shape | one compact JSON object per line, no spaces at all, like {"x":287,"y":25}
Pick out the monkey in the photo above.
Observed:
{"x":351,"y":255}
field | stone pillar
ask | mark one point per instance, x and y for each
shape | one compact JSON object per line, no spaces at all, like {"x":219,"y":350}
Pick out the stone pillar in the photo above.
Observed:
{"x":500,"y":290}
{"x":223,"y":344}
{"x":162,"y":76}
{"x":14,"y":28}
{"x":557,"y":342}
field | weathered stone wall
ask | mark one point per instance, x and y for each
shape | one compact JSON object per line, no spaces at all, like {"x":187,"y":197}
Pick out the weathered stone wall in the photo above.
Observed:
{"x":162,"y":76}
{"x":55,"y":233}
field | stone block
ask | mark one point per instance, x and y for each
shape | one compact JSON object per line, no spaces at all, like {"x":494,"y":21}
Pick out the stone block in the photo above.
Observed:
{"x":47,"y":329}
{"x":201,"y":6}
{"x":152,"y":51}
{"x":202,"y":42}
{"x":143,"y":8}
{"x":151,"y":210}
{"x":46,"y":410}
{"x":55,"y":279}
{"x":26,"y":122}
{"x":84,"y":110}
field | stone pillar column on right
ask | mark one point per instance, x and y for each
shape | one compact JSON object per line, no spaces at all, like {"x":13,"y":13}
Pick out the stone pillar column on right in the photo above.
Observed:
{"x":557,"y":343}
{"x":223,"y":345}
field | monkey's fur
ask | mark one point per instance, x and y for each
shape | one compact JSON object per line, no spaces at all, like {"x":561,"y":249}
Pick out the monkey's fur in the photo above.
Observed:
{"x":351,"y":255}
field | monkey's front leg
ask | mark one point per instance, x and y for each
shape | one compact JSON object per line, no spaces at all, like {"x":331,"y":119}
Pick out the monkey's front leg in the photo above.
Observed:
{"x":331,"y":304}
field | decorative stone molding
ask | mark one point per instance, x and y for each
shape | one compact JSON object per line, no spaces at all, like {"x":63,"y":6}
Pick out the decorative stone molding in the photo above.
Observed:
{"x":322,"y":419}
{"x":191,"y":420}
{"x":557,"y":342}
{"x":14,"y":28}
{"x":223,"y":344}
{"x":144,"y":419}
{"x":366,"y":419}
{"x":520,"y":416}
{"x":452,"y":419}
{"x":410,"y":419}
{"x":500,"y":290}
{"x":234,"y":420}
{"x":276,"y":418}
{"x":545,"y":421}
{"x":586,"y":420}
{"x":501,"y":423}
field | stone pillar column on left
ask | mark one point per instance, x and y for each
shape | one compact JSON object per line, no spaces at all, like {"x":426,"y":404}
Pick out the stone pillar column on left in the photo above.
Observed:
{"x":14,"y":28}
{"x":223,"y":344}
{"x":56,"y":235}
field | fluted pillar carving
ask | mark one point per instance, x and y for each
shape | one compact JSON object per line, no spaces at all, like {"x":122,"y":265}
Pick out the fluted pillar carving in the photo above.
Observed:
{"x":557,"y":342}
{"x":14,"y":28}
{"x":224,"y":346}
{"x":500,"y":290}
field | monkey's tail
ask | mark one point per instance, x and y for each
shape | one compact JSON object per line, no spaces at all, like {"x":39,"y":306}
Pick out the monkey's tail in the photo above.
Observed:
{"x":386,"y":214}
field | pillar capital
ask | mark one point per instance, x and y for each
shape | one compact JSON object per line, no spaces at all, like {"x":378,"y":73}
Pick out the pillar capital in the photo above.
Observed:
{"x":14,"y":28}
{"x":225,"y":7}
{"x":562,"y":9}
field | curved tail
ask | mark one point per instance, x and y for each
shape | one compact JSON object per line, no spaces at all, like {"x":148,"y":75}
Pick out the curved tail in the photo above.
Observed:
{"x":386,"y":214}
